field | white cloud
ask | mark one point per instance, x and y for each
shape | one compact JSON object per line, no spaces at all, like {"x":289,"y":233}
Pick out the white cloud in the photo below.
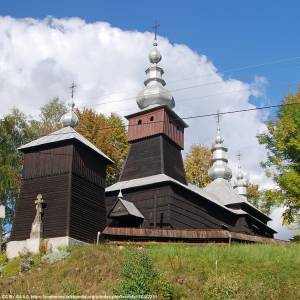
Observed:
{"x":283,"y":232}
{"x":40,"y":58}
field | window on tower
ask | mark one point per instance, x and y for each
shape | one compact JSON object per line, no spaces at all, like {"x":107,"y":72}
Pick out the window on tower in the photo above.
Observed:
{"x":151,"y":119}
{"x":139,"y":122}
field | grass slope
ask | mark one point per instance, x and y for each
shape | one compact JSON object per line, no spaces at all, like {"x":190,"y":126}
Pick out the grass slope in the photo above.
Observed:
{"x":197,"y":272}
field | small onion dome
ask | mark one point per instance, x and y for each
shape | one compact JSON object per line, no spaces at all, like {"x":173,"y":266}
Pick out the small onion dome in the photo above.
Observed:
{"x":154,"y":56}
{"x":70,"y":118}
{"x":219,"y":168}
{"x":241,"y":182}
{"x":154,"y":93}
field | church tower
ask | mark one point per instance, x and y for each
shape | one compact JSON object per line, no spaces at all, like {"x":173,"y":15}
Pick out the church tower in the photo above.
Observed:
{"x":156,"y":132}
{"x":62,"y":190}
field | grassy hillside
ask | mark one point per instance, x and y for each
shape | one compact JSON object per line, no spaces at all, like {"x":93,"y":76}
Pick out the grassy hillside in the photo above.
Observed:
{"x":191,"y":272}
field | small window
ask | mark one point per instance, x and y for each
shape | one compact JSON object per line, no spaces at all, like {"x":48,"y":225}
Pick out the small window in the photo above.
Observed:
{"x":139,"y":122}
{"x":151,"y":119}
{"x":178,"y":128}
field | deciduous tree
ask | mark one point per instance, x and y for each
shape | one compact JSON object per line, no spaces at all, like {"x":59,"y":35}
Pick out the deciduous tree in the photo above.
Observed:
{"x":282,"y":141}
{"x":197,"y":163}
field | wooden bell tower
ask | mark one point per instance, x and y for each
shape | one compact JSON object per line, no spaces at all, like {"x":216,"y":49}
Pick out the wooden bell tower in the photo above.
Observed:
{"x":156,"y":136}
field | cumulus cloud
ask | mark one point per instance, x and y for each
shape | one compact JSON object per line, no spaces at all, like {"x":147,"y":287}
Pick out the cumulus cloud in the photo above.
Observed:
{"x":40,"y":58}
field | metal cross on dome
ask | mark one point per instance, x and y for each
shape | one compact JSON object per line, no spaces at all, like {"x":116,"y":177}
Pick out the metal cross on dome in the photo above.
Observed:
{"x":72,"y":87}
{"x":155,"y":27}
{"x":218,"y":116}
{"x":239,"y":155}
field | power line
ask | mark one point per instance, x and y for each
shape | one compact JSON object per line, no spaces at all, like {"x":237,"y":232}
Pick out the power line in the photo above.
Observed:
{"x":179,"y":89}
{"x":193,"y":117}
{"x":283,"y":60}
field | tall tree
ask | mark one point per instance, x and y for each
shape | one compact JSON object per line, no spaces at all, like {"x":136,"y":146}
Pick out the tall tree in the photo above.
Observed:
{"x":197,"y":163}
{"x":15,"y":130}
{"x":283,"y":162}
{"x":108,"y":133}
{"x":259,"y":198}
{"x":50,"y":116}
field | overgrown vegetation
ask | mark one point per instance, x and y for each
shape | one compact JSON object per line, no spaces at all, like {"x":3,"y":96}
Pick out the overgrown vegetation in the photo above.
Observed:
{"x":139,"y":277}
{"x":171,"y":271}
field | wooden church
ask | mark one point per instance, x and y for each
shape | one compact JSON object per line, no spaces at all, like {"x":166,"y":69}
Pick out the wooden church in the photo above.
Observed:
{"x":63,"y":199}
{"x":153,"y":179}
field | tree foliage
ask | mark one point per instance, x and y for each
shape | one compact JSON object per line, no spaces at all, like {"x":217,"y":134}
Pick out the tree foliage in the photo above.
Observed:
{"x":108,"y":133}
{"x":15,"y":130}
{"x":261,"y":199}
{"x":283,"y":162}
{"x":197,"y":163}
{"x":50,"y":116}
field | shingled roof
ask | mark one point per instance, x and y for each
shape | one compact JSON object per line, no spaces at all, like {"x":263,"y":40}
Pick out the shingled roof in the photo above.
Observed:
{"x":63,"y":134}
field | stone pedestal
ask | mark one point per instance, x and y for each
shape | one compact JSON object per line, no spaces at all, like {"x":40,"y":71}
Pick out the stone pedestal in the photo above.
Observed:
{"x":17,"y":248}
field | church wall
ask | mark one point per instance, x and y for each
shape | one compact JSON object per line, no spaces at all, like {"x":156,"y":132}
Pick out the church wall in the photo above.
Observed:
{"x":44,"y":161}
{"x":55,"y":191}
{"x":173,"y":163}
{"x":152,"y":156}
{"x":189,"y":210}
{"x":151,"y":201}
{"x":87,"y":164}
{"x":144,"y":159}
{"x":87,"y":209}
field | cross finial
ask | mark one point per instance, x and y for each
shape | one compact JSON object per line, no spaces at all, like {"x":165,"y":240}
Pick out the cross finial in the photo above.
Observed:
{"x":218,"y":117}
{"x":39,"y":199}
{"x":239,"y":155}
{"x":72,"y":87}
{"x":155,"y":27}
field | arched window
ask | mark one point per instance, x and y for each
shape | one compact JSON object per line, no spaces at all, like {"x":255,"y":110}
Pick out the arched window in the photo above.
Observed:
{"x":139,"y":122}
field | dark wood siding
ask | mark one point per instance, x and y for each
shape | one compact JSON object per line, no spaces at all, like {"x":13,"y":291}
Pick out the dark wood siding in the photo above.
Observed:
{"x":53,"y":170}
{"x":172,"y":160}
{"x":53,"y":160}
{"x":152,"y":156}
{"x":144,"y":159}
{"x":89,"y":165}
{"x":88,"y":211}
{"x":55,"y":191}
{"x":151,"y":202}
{"x":183,"y":209}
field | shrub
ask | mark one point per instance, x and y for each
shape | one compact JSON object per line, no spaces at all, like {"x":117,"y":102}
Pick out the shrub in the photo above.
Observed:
{"x":11,"y":268}
{"x":3,"y":259}
{"x":138,"y":276}
{"x":165,"y":289}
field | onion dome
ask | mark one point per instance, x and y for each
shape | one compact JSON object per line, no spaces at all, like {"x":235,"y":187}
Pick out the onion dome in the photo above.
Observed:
{"x":241,"y":182}
{"x":219,"y":168}
{"x":154,"y":92}
{"x":70,"y":118}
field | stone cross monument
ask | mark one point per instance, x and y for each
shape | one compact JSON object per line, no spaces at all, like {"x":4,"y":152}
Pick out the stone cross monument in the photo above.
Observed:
{"x":37,"y":225}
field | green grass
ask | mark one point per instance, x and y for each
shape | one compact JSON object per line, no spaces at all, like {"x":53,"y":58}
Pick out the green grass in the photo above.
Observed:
{"x":196,"y":272}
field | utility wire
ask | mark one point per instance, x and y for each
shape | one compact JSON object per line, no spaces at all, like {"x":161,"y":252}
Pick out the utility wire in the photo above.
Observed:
{"x":179,"y":89}
{"x":283,"y":60}
{"x":175,"y":119}
{"x":192,"y":117}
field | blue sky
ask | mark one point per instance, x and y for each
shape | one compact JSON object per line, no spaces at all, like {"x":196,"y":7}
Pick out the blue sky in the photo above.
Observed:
{"x":232,"y":34}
